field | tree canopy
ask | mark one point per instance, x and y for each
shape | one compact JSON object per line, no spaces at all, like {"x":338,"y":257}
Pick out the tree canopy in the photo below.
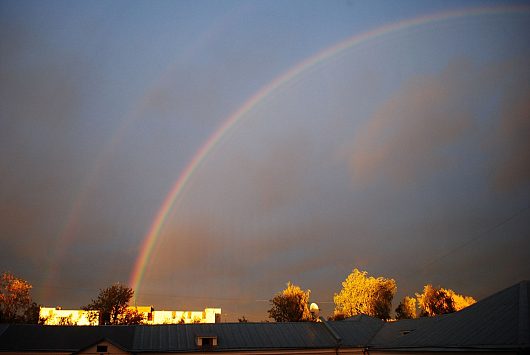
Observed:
{"x":406,"y":308}
{"x":291,"y":305}
{"x":16,"y":305}
{"x":112,"y":304}
{"x":436,"y":300}
{"x":362,"y":294}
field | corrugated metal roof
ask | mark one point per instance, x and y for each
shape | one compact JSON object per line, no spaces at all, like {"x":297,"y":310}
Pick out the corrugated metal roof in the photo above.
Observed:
{"x":3,"y":328}
{"x":27,"y":337}
{"x":181,"y":337}
{"x":498,"y":321}
{"x":357,"y":331}
{"x":395,"y":330}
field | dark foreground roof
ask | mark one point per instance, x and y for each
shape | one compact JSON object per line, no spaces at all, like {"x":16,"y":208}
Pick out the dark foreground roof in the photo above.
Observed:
{"x":169,"y":338}
{"x":234,"y":336}
{"x":499,"y":322}
{"x":358,"y":331}
{"x":25,"y":337}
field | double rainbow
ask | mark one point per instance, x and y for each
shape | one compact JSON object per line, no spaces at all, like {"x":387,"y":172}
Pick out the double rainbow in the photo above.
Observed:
{"x":229,"y":123}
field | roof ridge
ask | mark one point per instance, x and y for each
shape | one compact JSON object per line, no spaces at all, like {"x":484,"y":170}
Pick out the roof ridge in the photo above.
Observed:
{"x":332,"y":331}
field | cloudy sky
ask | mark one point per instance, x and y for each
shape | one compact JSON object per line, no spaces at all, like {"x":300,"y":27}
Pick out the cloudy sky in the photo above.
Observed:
{"x":309,"y":138}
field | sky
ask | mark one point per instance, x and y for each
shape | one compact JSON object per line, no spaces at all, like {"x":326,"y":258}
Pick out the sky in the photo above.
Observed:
{"x":205,"y":153}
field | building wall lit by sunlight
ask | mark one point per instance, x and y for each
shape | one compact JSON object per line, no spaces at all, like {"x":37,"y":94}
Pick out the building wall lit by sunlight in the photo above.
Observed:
{"x":58,"y":316}
{"x":209,"y":315}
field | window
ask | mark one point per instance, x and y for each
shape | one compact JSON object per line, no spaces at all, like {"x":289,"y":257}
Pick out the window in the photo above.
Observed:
{"x":101,"y":348}
{"x":206,"y":341}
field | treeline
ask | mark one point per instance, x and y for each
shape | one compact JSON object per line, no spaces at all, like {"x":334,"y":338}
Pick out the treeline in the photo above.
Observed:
{"x":109,"y":307}
{"x":360,"y":294}
{"x":364,"y":294}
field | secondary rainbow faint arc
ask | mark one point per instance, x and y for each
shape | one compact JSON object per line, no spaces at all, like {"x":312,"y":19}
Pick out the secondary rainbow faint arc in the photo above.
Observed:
{"x":179,"y":186}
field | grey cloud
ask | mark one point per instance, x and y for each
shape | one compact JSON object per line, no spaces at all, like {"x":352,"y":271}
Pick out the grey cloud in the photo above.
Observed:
{"x":410,"y":136}
{"x":513,"y":165}
{"x":405,"y":137}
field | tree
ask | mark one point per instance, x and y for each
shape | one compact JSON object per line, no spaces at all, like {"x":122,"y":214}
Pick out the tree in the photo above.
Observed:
{"x":290,"y":305}
{"x":32,"y":314}
{"x":112,"y":304}
{"x":15,"y":300}
{"x":435,"y":301}
{"x":406,"y":309}
{"x":459,"y":301}
{"x":131,"y":316}
{"x":361,"y":294}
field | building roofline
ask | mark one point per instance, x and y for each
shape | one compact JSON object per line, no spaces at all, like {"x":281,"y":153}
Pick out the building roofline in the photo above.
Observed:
{"x":104,"y":339}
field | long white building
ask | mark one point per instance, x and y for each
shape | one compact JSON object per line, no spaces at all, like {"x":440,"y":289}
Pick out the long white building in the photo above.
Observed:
{"x":59,"y":316}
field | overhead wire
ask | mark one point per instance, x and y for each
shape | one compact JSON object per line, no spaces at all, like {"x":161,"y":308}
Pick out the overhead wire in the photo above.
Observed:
{"x":477,"y":237}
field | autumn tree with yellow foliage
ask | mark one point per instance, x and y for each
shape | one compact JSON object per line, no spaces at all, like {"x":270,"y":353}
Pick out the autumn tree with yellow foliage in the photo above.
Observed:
{"x":291,"y":305}
{"x":406,"y":308}
{"x":16,"y":305}
{"x":437,"y":300}
{"x":363,"y":294}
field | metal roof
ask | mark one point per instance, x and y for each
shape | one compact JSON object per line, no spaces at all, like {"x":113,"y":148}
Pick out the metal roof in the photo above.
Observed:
{"x":234,"y":336}
{"x":27,"y":337}
{"x":357,"y":331}
{"x":498,"y":322}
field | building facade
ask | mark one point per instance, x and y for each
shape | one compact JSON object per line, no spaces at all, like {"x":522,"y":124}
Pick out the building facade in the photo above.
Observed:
{"x":59,"y":316}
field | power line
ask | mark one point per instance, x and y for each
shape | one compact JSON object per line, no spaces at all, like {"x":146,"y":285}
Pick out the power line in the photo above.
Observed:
{"x":480,"y":235}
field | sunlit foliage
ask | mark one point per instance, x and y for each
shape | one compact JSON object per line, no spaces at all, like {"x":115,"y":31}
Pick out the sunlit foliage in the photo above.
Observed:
{"x":460,"y":301}
{"x":435,"y":301}
{"x":291,"y":305}
{"x":361,"y":294}
{"x":65,"y":321}
{"x":112,"y":304}
{"x":16,"y":305}
{"x":31,"y":314}
{"x":131,"y":316}
{"x":406,"y":309}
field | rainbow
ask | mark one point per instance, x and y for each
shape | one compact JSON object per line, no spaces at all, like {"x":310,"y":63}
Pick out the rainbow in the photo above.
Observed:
{"x":289,"y":76}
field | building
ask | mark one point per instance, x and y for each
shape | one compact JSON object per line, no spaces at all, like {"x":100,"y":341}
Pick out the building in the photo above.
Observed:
{"x":498,"y":324}
{"x":58,"y":316}
{"x":209,"y":315}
